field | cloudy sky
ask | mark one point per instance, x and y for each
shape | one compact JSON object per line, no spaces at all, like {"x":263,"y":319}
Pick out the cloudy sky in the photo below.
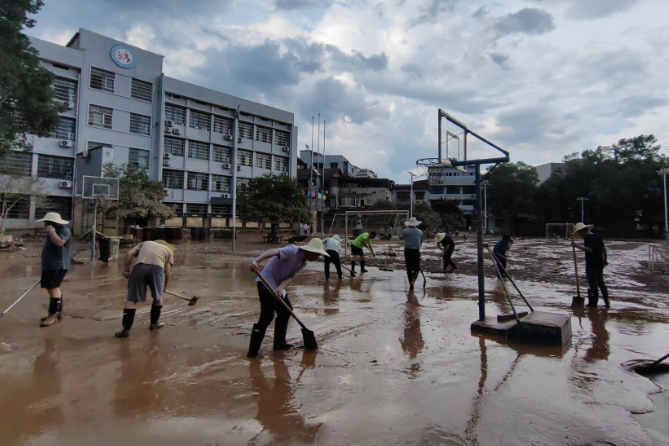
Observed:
{"x":541,"y":78}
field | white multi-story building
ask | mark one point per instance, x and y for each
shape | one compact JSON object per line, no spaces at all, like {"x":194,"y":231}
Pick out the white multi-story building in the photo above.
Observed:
{"x":121,"y":108}
{"x":453,"y":184}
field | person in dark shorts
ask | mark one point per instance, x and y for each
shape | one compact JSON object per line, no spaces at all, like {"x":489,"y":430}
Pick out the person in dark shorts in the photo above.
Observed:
{"x":153,"y":269}
{"x":500,"y":252}
{"x":55,"y":263}
{"x":596,"y":258}
{"x":413,"y":239}
{"x":363,"y":240}
{"x":332,"y":247}
{"x":283,"y":266}
{"x":447,"y":247}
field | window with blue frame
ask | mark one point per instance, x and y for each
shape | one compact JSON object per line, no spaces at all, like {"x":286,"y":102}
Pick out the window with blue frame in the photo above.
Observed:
{"x":469,"y":189}
{"x":453,"y":189}
{"x":437,"y":190}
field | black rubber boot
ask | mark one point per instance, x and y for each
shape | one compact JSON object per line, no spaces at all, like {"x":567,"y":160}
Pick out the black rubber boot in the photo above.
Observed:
{"x":128,"y":319}
{"x":362,"y":267}
{"x":280,"y":329}
{"x":257,"y":335}
{"x":59,"y":314}
{"x":593,"y":298}
{"x":54,"y":307}
{"x":155,"y":317}
{"x":352,"y":267}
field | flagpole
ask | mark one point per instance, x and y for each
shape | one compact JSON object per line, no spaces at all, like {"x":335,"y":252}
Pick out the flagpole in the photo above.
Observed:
{"x":323,"y":186}
{"x":311,"y":149}
{"x":319,"y":157}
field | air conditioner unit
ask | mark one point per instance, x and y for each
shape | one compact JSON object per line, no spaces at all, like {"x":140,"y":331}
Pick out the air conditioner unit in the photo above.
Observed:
{"x":225,"y":165}
{"x":286,"y":149}
{"x":226,"y":196}
{"x":70,"y":136}
{"x":167,"y":130}
{"x":65,"y":184}
{"x":166,"y":163}
{"x":239,"y":168}
{"x":168,"y":123}
{"x":68,"y":104}
{"x":239,"y":140}
{"x":167,"y":156}
{"x":66,"y":143}
{"x":176,"y":131}
{"x":228,"y":137}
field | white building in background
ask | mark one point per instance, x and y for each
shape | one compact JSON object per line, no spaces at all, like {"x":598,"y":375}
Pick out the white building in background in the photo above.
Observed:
{"x":546,"y":170}
{"x":121,"y":108}
{"x":335,"y":162}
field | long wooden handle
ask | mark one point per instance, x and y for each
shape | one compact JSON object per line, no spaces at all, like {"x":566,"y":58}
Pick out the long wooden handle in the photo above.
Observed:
{"x":578,"y":287}
{"x":273,"y":291}
{"x":177,"y":295}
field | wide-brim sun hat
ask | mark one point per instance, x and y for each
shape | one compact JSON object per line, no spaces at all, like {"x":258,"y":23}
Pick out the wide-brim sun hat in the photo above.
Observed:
{"x":440,"y":236}
{"x":412,"y":222}
{"x":579,"y":226}
{"x":336,"y":236}
{"x":170,"y":246}
{"x":315,"y":245}
{"x":53,"y":217}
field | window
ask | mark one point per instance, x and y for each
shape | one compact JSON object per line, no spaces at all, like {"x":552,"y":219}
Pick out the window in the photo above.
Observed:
{"x":173,"y":179}
{"x":100,"y":116}
{"x":437,"y":190}
{"x":140,"y":124}
{"x":17,"y":163}
{"x":62,"y":205}
{"x":175,"y":114}
{"x":96,"y":145}
{"x":174,"y":146}
{"x":242,"y":183}
{"x":65,"y":90}
{"x":263,"y":134}
{"x":452,"y":189}
{"x":178,"y":207}
{"x":199,"y":120}
{"x":220,"y":183}
{"x":21,"y":207}
{"x":467,"y":202}
{"x":141,"y":90}
{"x":219,"y":210}
{"x":403,"y":196}
{"x":263,"y":161}
{"x":222,"y":125}
{"x":469,"y":189}
{"x":198,"y":150}
{"x":281,"y":138}
{"x":245,"y":130}
{"x":420,"y":195}
{"x":221,"y":154}
{"x":334,"y":165}
{"x":196,"y":209}
{"x":65,"y":129}
{"x":102,"y":80}
{"x":197,"y":181}
{"x":55,"y":167}
{"x":280,"y":164}
{"x":244,"y":158}
{"x":139,"y":157}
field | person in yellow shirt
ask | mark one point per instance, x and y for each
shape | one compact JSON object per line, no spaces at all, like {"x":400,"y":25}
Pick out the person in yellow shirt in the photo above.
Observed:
{"x":153,"y":268}
{"x":363,"y":240}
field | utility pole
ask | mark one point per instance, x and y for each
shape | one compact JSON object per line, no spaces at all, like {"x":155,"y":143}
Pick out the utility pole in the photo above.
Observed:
{"x":582,"y":200}
{"x":664,"y":171}
{"x":485,"y":211}
{"x":319,"y":203}
{"x":411,"y":195}
{"x":323,"y":186}
{"x":235,"y":140}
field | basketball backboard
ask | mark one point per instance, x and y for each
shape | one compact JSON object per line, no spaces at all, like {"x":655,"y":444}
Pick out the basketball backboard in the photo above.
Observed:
{"x":95,"y":187}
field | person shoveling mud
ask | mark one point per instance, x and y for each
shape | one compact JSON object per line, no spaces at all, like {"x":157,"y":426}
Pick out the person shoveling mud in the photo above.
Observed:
{"x":283,"y":266}
{"x":332,"y":247}
{"x":500,"y":253}
{"x":447,"y":247}
{"x":363,"y":240}
{"x":413,"y":239}
{"x":153,"y":269}
{"x":55,"y":263}
{"x":596,"y":258}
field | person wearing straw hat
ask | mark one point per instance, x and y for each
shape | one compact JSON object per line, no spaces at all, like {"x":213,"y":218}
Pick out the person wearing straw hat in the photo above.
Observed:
{"x":332,"y":247}
{"x":153,"y":269}
{"x":447,"y":247}
{"x":284,"y":264}
{"x":55,"y":263}
{"x":413,"y":239}
{"x":596,"y":258}
{"x":500,"y":252}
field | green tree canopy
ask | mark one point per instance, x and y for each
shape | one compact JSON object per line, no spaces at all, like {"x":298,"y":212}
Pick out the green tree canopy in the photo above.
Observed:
{"x":273,"y":199}
{"x":26,"y":96}
{"x":139,"y":196}
{"x":512,"y":190}
{"x":452,"y":217}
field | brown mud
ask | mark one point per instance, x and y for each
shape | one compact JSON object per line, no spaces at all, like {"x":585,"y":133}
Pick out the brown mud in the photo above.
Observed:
{"x":393,"y":367}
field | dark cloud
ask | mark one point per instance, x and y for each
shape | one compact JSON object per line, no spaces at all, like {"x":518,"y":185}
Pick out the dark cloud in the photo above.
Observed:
{"x":636,"y":106}
{"x":432,"y":11}
{"x":500,"y":59}
{"x":480,"y":13}
{"x":289,"y":5}
{"x":356,"y":61}
{"x":526,"y":21}
{"x":413,"y":70}
{"x":593,"y":9}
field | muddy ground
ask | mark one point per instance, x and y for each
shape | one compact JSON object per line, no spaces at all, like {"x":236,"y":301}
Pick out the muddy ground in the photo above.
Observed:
{"x":394,"y":367}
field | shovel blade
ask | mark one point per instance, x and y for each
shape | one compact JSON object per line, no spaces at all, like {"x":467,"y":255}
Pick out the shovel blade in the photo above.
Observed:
{"x":193,"y":301}
{"x":578,"y":302}
{"x":309,"y":339}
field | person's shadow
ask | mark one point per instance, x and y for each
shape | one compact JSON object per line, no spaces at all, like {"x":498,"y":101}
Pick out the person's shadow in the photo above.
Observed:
{"x":412,"y":340}
{"x":600,"y":349}
{"x":277,"y":412}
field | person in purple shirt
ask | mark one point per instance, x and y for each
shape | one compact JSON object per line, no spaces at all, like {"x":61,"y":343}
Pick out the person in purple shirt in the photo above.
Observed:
{"x":283,"y":266}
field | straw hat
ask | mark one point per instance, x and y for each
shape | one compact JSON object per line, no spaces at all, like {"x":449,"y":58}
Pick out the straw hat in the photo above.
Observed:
{"x":315,"y":245}
{"x":335,"y":237}
{"x":164,"y":243}
{"x":53,"y":217}
{"x":579,"y":226}
{"x":412,"y":222}
{"x":440,"y":236}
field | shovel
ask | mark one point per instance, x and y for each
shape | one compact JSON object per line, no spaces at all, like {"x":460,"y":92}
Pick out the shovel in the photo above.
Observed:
{"x":191,"y":302}
{"x":17,"y":300}
{"x":652,"y":368}
{"x":577,"y":301}
{"x":308,"y":335}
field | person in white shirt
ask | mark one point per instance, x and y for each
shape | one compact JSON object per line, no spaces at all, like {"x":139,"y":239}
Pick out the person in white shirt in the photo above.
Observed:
{"x":332,"y":247}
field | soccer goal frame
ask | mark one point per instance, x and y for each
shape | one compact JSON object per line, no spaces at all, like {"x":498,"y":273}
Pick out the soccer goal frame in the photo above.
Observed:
{"x":568,"y":229}
{"x":396,"y":213}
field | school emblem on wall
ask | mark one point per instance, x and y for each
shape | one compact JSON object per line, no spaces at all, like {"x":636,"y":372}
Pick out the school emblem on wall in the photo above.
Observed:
{"x":122,"y":56}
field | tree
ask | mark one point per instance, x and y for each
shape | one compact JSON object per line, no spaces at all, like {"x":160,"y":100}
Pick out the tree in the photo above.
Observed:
{"x":273,"y":199}
{"x":512,"y":188}
{"x":15,"y":190}
{"x":139,"y":196}
{"x":26,"y":96}
{"x":429,"y":218}
{"x":452,"y":217}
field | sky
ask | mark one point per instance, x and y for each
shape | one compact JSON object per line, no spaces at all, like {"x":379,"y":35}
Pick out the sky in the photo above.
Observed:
{"x":539,"y":78}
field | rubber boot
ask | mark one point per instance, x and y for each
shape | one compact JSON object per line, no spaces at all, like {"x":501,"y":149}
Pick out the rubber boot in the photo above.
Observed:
{"x":362,"y":267}
{"x":155,"y":317}
{"x":257,"y":335}
{"x":128,"y":319}
{"x":592,"y":298}
{"x":280,"y":329}
{"x":54,"y":306}
{"x":59,"y":315}
{"x":607,"y":302}
{"x":353,"y":267}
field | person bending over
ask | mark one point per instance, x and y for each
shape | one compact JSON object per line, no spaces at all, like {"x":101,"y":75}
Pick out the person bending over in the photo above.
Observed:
{"x":362,"y":241}
{"x":500,"y":252}
{"x":332,"y":247}
{"x":447,"y":245}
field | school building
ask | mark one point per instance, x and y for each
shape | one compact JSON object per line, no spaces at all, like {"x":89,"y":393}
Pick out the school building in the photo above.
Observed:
{"x":121,"y":108}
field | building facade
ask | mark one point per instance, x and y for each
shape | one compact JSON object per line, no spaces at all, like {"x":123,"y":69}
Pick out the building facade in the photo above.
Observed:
{"x":121,"y":108}
{"x":335,"y":162}
{"x":546,"y":170}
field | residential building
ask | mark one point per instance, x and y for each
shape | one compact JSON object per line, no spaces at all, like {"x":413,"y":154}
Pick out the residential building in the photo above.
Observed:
{"x":453,"y":184}
{"x":335,"y":162}
{"x":401,"y":193}
{"x":546,"y":170}
{"x":121,"y":108}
